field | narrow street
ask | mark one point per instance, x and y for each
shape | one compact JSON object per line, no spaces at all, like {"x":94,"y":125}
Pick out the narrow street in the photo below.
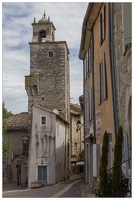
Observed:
{"x":69,"y":188}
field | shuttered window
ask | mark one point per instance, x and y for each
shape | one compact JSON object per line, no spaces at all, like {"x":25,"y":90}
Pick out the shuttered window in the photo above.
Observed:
{"x":125,"y":165}
{"x":102,"y":81}
{"x":102,"y":25}
{"x":89,"y":60}
{"x":127,"y":23}
{"x":87,"y":63}
{"x":90,"y":104}
{"x":99,"y":84}
{"x":95,"y":160}
{"x":85,"y":68}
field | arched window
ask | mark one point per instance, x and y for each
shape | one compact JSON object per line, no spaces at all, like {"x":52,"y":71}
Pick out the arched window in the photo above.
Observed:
{"x":42,"y":36}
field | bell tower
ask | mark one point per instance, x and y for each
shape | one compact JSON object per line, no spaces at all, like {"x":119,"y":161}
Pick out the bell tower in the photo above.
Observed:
{"x":44,"y":30}
{"x":48,"y":84}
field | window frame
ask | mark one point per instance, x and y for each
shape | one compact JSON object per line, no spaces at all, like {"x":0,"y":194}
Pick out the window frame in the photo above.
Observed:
{"x":50,"y":54}
{"x":43,"y":124}
{"x":102,"y":24}
{"x":102,"y":81}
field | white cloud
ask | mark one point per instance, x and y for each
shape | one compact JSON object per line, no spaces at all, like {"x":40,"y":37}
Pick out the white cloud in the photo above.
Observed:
{"x":17,"y":33}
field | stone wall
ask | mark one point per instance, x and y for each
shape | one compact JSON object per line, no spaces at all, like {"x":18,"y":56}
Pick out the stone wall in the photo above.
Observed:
{"x":52,"y":88}
{"x":123,"y":66}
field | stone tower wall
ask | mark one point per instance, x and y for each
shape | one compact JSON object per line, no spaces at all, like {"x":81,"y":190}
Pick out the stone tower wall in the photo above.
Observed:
{"x":50,"y":77}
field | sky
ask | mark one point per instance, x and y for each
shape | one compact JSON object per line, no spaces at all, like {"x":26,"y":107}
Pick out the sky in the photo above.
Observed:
{"x":17,"y":31}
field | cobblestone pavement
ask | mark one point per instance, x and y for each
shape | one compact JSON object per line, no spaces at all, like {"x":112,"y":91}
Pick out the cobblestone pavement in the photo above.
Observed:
{"x":69,"y":188}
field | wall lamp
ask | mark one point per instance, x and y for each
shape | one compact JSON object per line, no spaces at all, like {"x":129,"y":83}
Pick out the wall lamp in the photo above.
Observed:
{"x":79,"y":125}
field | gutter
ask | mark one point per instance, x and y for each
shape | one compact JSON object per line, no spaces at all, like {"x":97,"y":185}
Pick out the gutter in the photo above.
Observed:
{"x":89,"y":8}
{"x":112,"y":67}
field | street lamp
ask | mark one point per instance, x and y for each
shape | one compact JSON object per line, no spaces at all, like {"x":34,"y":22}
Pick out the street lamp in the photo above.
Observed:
{"x":78,"y":124}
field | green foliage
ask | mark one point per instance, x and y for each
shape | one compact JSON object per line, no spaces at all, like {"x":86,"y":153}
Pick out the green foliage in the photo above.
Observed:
{"x":117,"y":170}
{"x":81,"y":155}
{"x":110,"y":175}
{"x":5,"y":115}
{"x":103,"y":185}
{"x":114,"y":179}
{"x":5,"y":148}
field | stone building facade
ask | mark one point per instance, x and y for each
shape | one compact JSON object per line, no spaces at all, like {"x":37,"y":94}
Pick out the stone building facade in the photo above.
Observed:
{"x":76,"y":135}
{"x":122,"y":31}
{"x":48,"y":83}
{"x":15,"y":166}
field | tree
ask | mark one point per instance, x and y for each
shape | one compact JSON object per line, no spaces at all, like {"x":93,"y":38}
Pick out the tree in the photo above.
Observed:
{"x":103,"y":185}
{"x":5,"y":115}
{"x":117,"y":170}
{"x":81,"y":155}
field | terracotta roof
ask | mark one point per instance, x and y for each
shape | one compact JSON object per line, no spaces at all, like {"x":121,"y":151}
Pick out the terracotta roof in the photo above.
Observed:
{"x":75,"y":109}
{"x":18,"y":121}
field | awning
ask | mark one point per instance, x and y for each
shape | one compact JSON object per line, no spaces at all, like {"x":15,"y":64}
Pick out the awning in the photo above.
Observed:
{"x":80,"y":163}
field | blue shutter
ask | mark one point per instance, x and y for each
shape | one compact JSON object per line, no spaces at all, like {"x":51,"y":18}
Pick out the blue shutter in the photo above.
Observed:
{"x":99,"y":85}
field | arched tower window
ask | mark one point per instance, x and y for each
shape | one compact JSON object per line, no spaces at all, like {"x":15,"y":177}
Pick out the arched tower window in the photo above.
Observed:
{"x":42,"y":36}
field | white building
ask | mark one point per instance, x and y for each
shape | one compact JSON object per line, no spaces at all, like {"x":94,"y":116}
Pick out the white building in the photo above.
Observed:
{"x":48,"y":147}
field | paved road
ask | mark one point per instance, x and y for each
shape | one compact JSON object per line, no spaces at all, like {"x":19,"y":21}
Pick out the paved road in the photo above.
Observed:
{"x":70,"y":188}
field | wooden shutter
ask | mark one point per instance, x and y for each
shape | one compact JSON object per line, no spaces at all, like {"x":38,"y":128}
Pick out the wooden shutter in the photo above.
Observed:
{"x":99,"y":84}
{"x":103,"y":23}
{"x":127,"y":22}
{"x":94,"y":160}
{"x":110,"y":155}
{"x":104,"y":78}
{"x":89,"y":61}
{"x":85,"y":68}
{"x":90,"y":111}
{"x":91,"y":103}
{"x":100,"y":150}
{"x":125,"y":165}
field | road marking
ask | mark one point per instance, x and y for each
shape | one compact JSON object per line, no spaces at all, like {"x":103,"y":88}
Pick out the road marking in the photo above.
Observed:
{"x":65,"y":189}
{"x":16,"y":190}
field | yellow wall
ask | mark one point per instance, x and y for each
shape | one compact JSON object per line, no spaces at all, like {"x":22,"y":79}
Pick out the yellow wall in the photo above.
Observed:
{"x":106,"y":107}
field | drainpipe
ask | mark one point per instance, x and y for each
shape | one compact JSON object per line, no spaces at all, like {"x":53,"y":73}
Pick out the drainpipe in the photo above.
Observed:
{"x":112,"y":67}
{"x":84,"y":123}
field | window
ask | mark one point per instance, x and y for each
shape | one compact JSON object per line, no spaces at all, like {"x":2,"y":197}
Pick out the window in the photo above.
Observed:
{"x":75,"y":145}
{"x":42,"y":36}
{"x":51,"y":54}
{"x":90,"y":104}
{"x":42,"y":173}
{"x":102,"y":25}
{"x":102,"y":85}
{"x":43,"y":120}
